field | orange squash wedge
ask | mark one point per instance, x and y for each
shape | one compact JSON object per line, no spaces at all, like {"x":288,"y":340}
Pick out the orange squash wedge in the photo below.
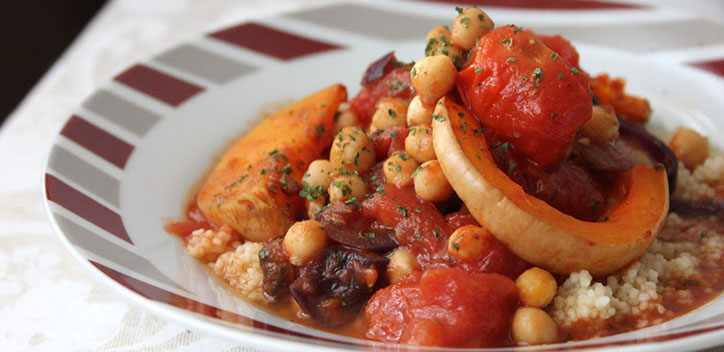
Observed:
{"x":535,"y":231}
{"x":254,"y":186}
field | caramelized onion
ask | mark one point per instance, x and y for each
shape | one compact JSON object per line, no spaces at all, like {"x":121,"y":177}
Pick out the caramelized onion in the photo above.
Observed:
{"x":656,"y":150}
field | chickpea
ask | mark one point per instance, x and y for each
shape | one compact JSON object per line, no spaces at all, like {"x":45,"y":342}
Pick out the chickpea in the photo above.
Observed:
{"x":433,"y":77}
{"x":304,"y":241}
{"x":419,"y":113}
{"x":418,"y":143}
{"x":314,"y":206}
{"x":430,"y":182}
{"x":318,"y":174}
{"x":453,"y":52}
{"x":390,"y":112}
{"x":469,"y":243}
{"x":345,"y":187}
{"x":353,"y":150}
{"x":345,"y":118}
{"x":470,"y":25}
{"x":533,"y":326}
{"x":690,"y":147}
{"x":536,"y":287}
{"x":398,"y":169}
{"x":603,"y":125}
{"x":402,"y":263}
{"x":435,"y":37}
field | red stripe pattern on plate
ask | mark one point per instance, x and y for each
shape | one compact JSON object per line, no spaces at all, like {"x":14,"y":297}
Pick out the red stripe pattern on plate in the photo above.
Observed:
{"x":714,"y":66}
{"x":109,"y":147}
{"x":158,"y":294}
{"x":164,"y":87}
{"x":547,"y":4}
{"x":80,"y":204}
{"x":272,"y":42}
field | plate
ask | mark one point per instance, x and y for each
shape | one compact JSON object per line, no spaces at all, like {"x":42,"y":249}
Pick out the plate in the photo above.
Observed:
{"x":126,"y":160}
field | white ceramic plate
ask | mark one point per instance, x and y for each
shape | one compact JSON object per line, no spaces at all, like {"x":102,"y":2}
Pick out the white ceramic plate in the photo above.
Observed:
{"x":129,"y":156}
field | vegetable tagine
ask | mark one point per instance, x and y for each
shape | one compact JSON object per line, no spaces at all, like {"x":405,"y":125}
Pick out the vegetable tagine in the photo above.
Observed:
{"x":492,"y":193}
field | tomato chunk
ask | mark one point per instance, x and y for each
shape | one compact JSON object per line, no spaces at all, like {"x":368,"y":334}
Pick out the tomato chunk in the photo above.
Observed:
{"x":443,"y":307}
{"x":525,"y":93}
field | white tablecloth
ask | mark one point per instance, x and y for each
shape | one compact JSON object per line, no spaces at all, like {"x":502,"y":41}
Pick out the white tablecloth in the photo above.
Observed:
{"x":47,"y":301}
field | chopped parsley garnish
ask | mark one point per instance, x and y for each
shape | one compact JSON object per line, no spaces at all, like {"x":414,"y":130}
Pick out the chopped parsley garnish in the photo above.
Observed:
{"x":438,"y":117}
{"x":455,"y":245}
{"x":459,"y":9}
{"x":574,"y":70}
{"x":392,"y":113}
{"x":554,"y":115}
{"x":285,"y":169}
{"x":560,"y":76}
{"x":262,"y":254}
{"x":393,"y":134}
{"x":436,"y":233}
{"x":402,"y":210}
{"x":554,"y":56}
{"x":594,"y":204}
{"x":511,"y":59}
{"x":414,"y":173}
{"x":478,"y":69}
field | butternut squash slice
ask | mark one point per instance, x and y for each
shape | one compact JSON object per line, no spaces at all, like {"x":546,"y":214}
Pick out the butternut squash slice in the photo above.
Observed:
{"x":531,"y":228}
{"x":254,"y":187}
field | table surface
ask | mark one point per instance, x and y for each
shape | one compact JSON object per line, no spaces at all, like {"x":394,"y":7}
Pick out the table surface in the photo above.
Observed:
{"x":47,"y":301}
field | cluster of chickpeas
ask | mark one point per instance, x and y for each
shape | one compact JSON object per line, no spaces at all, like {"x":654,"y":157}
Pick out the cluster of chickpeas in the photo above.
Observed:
{"x":433,"y":76}
{"x":353,"y":154}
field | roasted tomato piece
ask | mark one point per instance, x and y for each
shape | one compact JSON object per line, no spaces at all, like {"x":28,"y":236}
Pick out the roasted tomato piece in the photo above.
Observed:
{"x":443,"y":307}
{"x":563,"y":47}
{"x":335,"y":287}
{"x":389,"y":141}
{"x":385,"y":77}
{"x":525,"y":93}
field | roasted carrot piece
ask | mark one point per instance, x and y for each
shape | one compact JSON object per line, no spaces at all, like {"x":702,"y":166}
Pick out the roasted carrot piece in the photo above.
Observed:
{"x":254,"y":186}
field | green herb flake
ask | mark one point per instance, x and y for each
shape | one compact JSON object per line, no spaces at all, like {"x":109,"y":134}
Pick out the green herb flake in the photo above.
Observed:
{"x":478,"y":69}
{"x":574,"y":70}
{"x":352,"y":200}
{"x":439,"y":118}
{"x":392,"y":113}
{"x":436,"y":233}
{"x":461,"y":115}
{"x":340,"y":258}
{"x":402,"y":210}
{"x":554,"y":115}
{"x":455,"y":245}
{"x":554,"y":56}
{"x":594,"y":204}
{"x":512,"y":166}
{"x":459,"y":9}
{"x":286,"y":169}
{"x":393,"y":134}
{"x":465,"y":21}
{"x":560,"y":76}
{"x":702,"y":234}
{"x":417,"y":170}
{"x":320,"y":130}
{"x":511,"y":59}
{"x":262,"y":254}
